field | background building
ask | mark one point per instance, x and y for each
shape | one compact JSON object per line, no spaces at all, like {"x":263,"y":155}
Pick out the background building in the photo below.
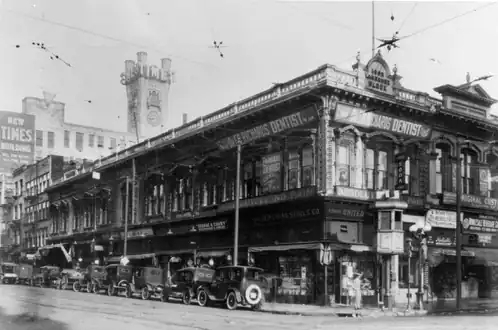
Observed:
{"x":147,"y":90}
{"x":55,"y":136}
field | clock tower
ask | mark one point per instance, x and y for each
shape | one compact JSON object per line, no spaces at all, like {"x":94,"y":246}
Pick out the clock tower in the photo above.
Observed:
{"x":147,"y":90}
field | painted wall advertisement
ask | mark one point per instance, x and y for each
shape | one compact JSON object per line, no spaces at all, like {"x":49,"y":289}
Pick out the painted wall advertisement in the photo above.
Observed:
{"x":349,"y":114}
{"x":17,"y":143}
{"x":441,"y":218}
{"x":472,"y":201}
{"x":272,"y":173}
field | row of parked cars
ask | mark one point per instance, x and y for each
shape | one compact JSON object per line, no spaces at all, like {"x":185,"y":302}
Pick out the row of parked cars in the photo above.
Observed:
{"x":231,"y":286}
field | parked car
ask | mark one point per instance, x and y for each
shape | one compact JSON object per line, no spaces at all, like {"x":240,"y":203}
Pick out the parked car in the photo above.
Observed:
{"x":71,"y":279}
{"x":25,"y":274}
{"x":49,"y":276}
{"x":93,"y":278}
{"x":8,"y":273}
{"x":117,"y":279}
{"x":186,"y":282}
{"x":149,"y":281}
{"x":234,"y":286}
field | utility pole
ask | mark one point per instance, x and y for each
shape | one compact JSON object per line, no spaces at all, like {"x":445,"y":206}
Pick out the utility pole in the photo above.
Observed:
{"x":458,"y":228}
{"x":126,"y":215}
{"x":373,"y":28}
{"x":237,"y":206}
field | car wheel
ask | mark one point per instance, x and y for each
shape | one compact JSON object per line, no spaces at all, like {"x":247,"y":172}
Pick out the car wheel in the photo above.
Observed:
{"x":231,"y":301}
{"x":145,"y":294}
{"x":186,"y":298}
{"x":89,"y":287}
{"x":110,"y":290}
{"x":76,"y":286}
{"x":202,"y":298}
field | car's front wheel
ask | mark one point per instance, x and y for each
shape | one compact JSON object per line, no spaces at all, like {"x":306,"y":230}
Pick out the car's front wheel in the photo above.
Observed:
{"x":231,"y":301}
{"x":145,"y":294}
{"x":186,"y":298}
{"x":76,"y":286}
{"x":202,"y":298}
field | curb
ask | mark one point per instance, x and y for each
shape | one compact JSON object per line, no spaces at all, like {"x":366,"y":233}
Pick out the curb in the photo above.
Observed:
{"x":346,"y":314}
{"x":464,"y":312}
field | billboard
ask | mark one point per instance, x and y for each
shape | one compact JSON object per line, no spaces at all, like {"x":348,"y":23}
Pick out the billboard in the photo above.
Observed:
{"x":17,"y":140}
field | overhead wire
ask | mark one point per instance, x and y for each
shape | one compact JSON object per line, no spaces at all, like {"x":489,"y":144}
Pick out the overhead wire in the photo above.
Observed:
{"x":448,"y":20}
{"x":406,"y":18}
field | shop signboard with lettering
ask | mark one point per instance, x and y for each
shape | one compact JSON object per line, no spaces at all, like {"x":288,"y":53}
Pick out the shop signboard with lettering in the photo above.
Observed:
{"x":441,"y":237}
{"x":349,"y":114}
{"x":441,"y":218}
{"x":273,"y":127}
{"x":472,"y":201}
{"x":484,"y":179}
{"x":140,"y":233}
{"x":283,"y":217}
{"x":207,"y":226}
{"x":17,"y":140}
{"x":272,"y":173}
{"x":401,"y":183}
{"x":479,"y":223}
{"x":338,"y":211}
{"x":377,"y":77}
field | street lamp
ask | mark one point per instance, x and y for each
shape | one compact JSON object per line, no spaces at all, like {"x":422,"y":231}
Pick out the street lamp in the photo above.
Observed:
{"x":420,"y":234}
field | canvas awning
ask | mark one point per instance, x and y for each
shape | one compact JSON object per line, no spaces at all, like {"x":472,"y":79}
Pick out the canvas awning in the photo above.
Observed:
{"x":131,"y":257}
{"x":484,"y":256}
{"x":286,"y":247}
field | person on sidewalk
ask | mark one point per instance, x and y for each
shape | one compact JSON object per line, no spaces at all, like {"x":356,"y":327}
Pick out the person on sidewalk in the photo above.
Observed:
{"x":357,"y":290}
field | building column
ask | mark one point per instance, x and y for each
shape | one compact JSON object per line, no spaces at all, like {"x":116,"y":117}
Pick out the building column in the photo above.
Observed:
{"x":326,"y":146}
{"x":167,"y":197}
{"x":359,"y":151}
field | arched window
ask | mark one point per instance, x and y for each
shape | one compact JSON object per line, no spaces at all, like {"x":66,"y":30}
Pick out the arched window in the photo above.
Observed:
{"x":492,"y":161}
{"x":469,"y":171}
{"x":443,"y":168}
{"x":345,"y":163}
{"x":154,"y":195}
{"x":413,"y":153}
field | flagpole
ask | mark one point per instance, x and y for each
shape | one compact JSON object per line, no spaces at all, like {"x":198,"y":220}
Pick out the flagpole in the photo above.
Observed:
{"x":373,"y":28}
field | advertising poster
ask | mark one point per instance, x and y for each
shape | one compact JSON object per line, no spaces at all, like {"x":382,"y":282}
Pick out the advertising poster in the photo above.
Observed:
{"x":272,"y":173}
{"x":17,"y":140}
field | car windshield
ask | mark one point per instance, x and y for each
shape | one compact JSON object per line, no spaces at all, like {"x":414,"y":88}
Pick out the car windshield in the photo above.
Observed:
{"x":252,"y":274}
{"x":7,"y":269}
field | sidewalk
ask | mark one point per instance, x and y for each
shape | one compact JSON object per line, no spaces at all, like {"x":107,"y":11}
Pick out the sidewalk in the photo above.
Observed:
{"x":448,"y":306}
{"x":333,"y":311}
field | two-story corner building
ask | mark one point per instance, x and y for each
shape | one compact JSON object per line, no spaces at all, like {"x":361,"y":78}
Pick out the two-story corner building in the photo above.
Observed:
{"x":335,"y":167}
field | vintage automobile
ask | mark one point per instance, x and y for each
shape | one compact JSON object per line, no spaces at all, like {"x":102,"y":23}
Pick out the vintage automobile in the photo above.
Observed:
{"x":148,"y":281}
{"x":234,"y":286}
{"x":185,"y":283}
{"x":117,"y":279}
{"x":93,"y":278}
{"x":8,"y":272}
{"x":25,"y":274}
{"x":71,"y":279}
{"x":49,"y":276}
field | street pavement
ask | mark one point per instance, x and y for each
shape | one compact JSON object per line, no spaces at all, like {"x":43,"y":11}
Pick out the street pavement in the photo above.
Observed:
{"x":67,"y":310}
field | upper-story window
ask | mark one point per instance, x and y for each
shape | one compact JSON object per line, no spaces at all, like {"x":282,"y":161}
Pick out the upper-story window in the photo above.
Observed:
{"x":91,"y":140}
{"x":411,"y":170}
{"x":492,"y":161}
{"x":100,"y":141}
{"x":67,"y":139}
{"x":377,"y":168}
{"x":79,"y":141}
{"x":39,"y":138}
{"x":444,"y":168}
{"x":154,"y":197}
{"x":470,"y":172}
{"x":50,"y":140}
{"x":344,"y":164}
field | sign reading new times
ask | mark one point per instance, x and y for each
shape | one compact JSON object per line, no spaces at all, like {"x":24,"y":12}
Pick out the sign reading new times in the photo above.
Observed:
{"x":17,"y":143}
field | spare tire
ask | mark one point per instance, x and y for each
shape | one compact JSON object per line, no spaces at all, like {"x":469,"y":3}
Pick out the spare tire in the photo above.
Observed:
{"x":253,"y":294}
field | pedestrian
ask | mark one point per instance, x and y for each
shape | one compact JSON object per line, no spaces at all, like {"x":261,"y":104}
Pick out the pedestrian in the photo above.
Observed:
{"x":357,"y":290}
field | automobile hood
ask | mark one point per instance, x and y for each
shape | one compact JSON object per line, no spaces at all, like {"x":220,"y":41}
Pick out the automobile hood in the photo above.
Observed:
{"x":12,"y":275}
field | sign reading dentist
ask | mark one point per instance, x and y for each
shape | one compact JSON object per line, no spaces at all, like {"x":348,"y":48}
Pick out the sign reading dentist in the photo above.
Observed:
{"x":362,"y":117}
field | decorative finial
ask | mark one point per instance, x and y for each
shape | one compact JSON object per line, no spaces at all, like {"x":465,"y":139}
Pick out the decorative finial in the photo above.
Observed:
{"x":395,"y":69}
{"x":468,"y":77}
{"x":358,"y":57}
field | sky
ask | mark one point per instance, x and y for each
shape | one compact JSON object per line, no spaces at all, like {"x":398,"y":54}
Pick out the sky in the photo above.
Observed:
{"x":267,"y":41}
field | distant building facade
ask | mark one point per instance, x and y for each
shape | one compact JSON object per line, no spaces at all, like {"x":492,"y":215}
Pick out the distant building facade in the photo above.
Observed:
{"x":147,"y":90}
{"x":55,"y":136}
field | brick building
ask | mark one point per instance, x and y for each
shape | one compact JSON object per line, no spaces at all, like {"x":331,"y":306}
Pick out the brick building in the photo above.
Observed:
{"x":333,"y":162}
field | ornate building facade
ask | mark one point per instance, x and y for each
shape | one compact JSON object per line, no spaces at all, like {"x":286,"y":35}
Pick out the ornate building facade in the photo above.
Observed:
{"x":333,"y":163}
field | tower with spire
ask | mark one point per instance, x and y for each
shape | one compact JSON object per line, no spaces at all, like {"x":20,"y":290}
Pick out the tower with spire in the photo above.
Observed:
{"x":147,"y":90}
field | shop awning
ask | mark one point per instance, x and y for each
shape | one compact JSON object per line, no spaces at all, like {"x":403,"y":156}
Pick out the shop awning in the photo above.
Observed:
{"x":287,"y":247}
{"x":484,"y":256}
{"x":132,"y":257}
{"x":212,"y":253}
{"x":43,"y":251}
{"x":174,"y":252}
{"x":436,"y":255}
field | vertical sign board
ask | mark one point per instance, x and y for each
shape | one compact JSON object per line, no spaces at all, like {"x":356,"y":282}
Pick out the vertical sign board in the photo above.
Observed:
{"x":17,"y":140}
{"x":401,"y":184}
{"x":272,"y":173}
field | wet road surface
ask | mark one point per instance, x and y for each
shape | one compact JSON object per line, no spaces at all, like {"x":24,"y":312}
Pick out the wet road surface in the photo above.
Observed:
{"x":75,"y":311}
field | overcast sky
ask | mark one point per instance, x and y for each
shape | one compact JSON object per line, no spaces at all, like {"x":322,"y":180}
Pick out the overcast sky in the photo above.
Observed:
{"x":267,"y":41}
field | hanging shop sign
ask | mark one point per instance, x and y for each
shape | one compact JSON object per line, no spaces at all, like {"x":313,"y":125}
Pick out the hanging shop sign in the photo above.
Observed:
{"x":207,"y":226}
{"x":441,"y":218}
{"x":286,"y":196}
{"x":400,"y":160}
{"x":212,"y":225}
{"x":272,"y":173}
{"x":473,"y":223}
{"x":441,"y":237}
{"x":335,"y":211}
{"x":273,"y":127}
{"x":349,"y":114}
{"x":472,"y":201}
{"x":484,"y":177}
{"x":139,"y":233}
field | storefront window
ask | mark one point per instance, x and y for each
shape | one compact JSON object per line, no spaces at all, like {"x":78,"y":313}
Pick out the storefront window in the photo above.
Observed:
{"x":362,"y":266}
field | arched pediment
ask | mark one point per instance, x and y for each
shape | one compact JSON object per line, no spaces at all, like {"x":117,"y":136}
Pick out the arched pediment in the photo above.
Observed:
{"x":444,"y":140}
{"x":349,"y":128}
{"x":474,"y":148}
{"x":383,"y":134}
